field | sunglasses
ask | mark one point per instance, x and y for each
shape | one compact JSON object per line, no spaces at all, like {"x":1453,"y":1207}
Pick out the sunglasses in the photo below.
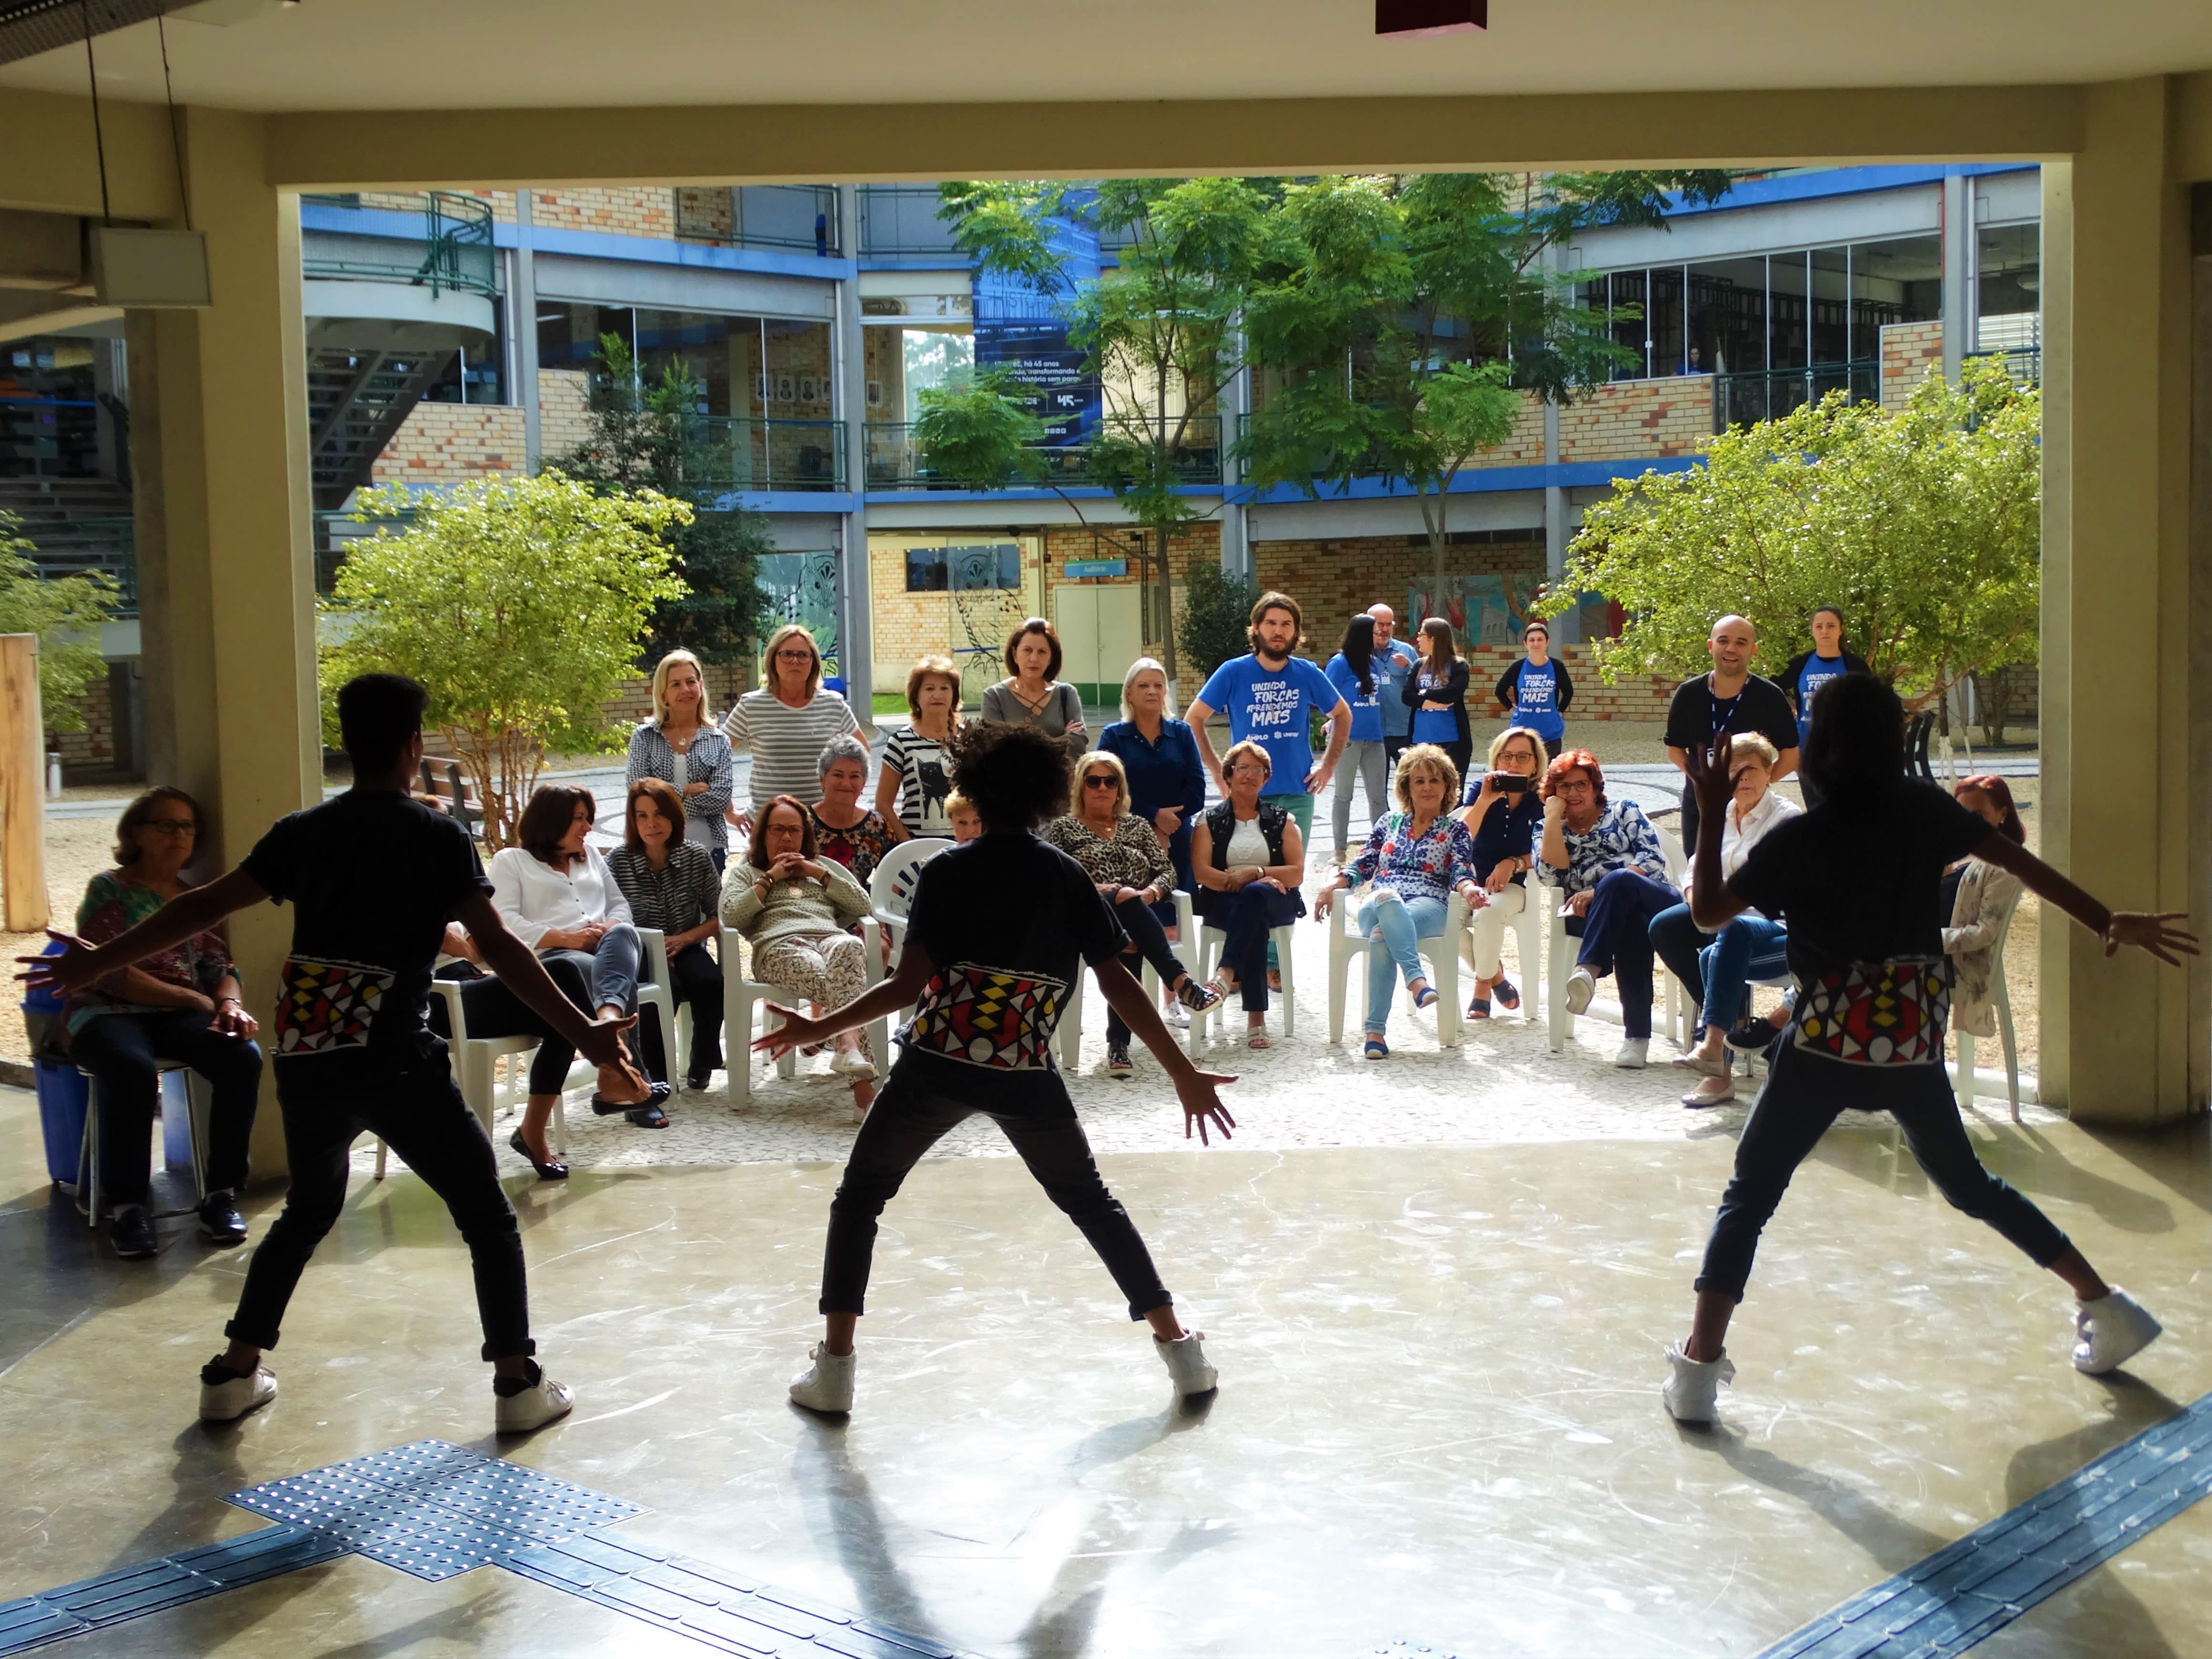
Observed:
{"x":1101,"y":780}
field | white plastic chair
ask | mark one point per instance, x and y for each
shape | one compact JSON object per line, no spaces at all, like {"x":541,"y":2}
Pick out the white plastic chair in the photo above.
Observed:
{"x":655,"y":991}
{"x":2001,"y":998}
{"x":1527,"y":932}
{"x":1210,"y":941}
{"x":741,"y":995}
{"x":196,"y":1107}
{"x":890,"y":888}
{"x":1069,"y":1033}
{"x":475,"y":1063}
{"x":1442,"y":951}
{"x":1563,"y":946}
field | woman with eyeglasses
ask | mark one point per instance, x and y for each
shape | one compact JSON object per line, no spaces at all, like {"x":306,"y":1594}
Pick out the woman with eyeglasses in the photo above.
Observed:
{"x":1249,"y":859}
{"x":786,"y":724}
{"x":181,"y":1004}
{"x":1123,"y":857}
{"x":1607,"y":858}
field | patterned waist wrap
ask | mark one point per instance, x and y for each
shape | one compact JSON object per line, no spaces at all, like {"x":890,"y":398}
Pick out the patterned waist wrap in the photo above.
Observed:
{"x":1877,"y":1013}
{"x":988,"y":1016}
{"x":327,"y":1005}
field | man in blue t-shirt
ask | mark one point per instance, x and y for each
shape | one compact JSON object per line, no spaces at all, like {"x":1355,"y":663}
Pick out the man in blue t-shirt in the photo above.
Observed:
{"x":1394,"y":662}
{"x":1271,"y":697}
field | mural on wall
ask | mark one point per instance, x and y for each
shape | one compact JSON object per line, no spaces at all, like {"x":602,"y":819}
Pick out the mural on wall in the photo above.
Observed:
{"x":802,"y":587}
{"x":1492,"y":610}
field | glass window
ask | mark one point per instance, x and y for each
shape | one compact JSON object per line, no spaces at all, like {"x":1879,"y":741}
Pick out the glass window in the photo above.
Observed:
{"x":477,"y":373}
{"x":801,"y":216}
{"x":701,"y":341}
{"x":1786,"y":300}
{"x":2010,"y":261}
{"x":989,"y":568}
{"x":1664,"y":320}
{"x":931,"y":360}
{"x":1628,"y":294}
{"x":1896,"y":282}
{"x":795,"y":380}
{"x":926,"y":571}
{"x":568,"y":335}
{"x":1832,"y":340}
{"x":1728,"y":316}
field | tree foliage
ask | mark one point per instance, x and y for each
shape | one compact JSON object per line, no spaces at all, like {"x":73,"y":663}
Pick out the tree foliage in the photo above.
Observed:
{"x":1923,"y":524}
{"x":1217,"y":616}
{"x":1402,"y":313}
{"x":1159,"y":332}
{"x":650,"y":436}
{"x":520,"y":604}
{"x":65,"y":612}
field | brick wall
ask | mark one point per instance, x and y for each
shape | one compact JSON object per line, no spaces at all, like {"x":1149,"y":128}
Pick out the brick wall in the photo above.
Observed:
{"x":635,"y":702}
{"x":563,"y":410}
{"x":1637,"y":697}
{"x":1333,"y":580}
{"x":1637,"y":420}
{"x":92,"y":750}
{"x":619,"y":210}
{"x":502,"y":202}
{"x":452,"y":443}
{"x":1910,"y":352}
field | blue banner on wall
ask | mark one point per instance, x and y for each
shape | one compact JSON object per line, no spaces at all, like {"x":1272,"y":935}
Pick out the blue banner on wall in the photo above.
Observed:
{"x":1025,"y":332}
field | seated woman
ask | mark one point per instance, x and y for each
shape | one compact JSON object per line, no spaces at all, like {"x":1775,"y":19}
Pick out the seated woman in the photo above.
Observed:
{"x":1248,"y":860}
{"x":1416,"y":857}
{"x":1984,"y":896}
{"x":795,"y":908}
{"x":1123,"y":857}
{"x":181,"y":1004}
{"x":1606,"y":858}
{"x":856,"y":837}
{"x":1750,"y":947}
{"x":1502,"y":820}
{"x":557,"y":894}
{"x":671,"y":883}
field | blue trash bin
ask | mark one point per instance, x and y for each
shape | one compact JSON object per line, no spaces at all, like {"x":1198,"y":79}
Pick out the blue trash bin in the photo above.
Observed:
{"x":63,"y":1092}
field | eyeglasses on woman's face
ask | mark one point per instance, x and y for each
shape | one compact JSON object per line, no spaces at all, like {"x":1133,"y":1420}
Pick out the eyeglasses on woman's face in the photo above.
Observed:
{"x":173,"y":826}
{"x":1573,"y":787}
{"x":794,"y":656}
{"x":1248,"y":770}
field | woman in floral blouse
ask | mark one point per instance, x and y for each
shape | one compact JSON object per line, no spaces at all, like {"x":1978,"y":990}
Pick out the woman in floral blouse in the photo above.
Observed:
{"x":855,"y":835}
{"x":183,"y":1004}
{"x":1416,"y":857}
{"x":1607,"y":858}
{"x":1122,"y":855}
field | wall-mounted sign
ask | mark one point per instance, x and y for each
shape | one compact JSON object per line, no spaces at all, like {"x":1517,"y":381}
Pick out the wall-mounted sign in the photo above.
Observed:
{"x":1076,"y":569}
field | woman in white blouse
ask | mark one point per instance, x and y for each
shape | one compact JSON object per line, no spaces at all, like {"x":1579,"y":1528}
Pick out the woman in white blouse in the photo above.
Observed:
{"x":557,"y":894}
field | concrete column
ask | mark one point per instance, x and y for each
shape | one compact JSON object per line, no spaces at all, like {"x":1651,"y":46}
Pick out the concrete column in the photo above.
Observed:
{"x":2116,"y":1042}
{"x":854,"y":627}
{"x":1236,"y":402}
{"x":226,"y":574}
{"x":522,"y":327}
{"x":1567,"y":628}
{"x":1957,"y":249}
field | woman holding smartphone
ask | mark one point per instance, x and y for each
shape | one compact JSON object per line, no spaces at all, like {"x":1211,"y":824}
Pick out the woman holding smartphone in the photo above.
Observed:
{"x":1502,"y":811}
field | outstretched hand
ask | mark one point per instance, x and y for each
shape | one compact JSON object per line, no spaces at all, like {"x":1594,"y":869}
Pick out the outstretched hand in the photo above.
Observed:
{"x":1201,"y":1105}
{"x":797,"y":1031}
{"x":72,"y":971}
{"x":2148,"y":931}
{"x":602,"y":1044}
{"x":1710,"y":780}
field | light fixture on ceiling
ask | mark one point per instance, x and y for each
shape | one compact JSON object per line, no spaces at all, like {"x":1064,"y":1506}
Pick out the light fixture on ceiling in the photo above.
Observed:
{"x":1403,"y":19}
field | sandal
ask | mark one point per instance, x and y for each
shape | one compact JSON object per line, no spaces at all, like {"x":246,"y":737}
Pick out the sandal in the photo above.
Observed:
{"x":602,"y":1107}
{"x":1196,"y":997}
{"x":1479,"y":1008}
{"x":1375,"y":1048}
{"x":648,"y":1117}
{"x":1426,"y":997}
{"x":1257,"y":1038}
{"x":1275,"y":979}
{"x":1509,"y":998}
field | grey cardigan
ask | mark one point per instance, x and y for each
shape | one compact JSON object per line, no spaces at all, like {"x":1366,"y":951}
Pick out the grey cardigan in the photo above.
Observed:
{"x":652,"y":755}
{"x":1063,"y":705}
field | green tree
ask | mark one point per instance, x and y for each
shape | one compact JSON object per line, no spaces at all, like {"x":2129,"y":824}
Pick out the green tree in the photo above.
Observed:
{"x":1923,"y":524}
{"x":520,"y":604}
{"x":1159,"y":332}
{"x":650,"y":436}
{"x":1401,"y":315}
{"x":1216,"y":616}
{"x":65,"y":612}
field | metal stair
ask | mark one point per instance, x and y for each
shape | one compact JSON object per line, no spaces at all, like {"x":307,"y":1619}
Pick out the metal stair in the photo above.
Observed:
{"x":357,"y":401}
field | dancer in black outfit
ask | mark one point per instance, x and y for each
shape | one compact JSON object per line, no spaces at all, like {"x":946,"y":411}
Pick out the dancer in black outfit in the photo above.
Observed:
{"x":1856,"y":880}
{"x":998,"y":930}
{"x":374,"y":877}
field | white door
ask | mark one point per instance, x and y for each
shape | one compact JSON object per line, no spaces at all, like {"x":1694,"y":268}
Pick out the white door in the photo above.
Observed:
{"x":1100,"y":636}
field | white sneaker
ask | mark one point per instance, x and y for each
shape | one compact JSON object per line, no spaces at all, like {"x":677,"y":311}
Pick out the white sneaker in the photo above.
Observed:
{"x":827,"y":1384}
{"x":543,"y":1402}
{"x":231,"y":1398}
{"x":1690,"y":1392}
{"x":2113,"y":1329}
{"x":1185,"y":1359}
{"x":1177,"y":1016}
{"x":1634,"y":1054}
{"x":850,"y":1063}
{"x":1582,"y":986}
{"x":1711,"y":1092}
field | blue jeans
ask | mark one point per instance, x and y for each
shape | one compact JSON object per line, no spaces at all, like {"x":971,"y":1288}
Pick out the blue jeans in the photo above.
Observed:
{"x":1400,"y":922}
{"x":1748,"y":948}
{"x":1246,"y":917}
{"x":1616,"y":936}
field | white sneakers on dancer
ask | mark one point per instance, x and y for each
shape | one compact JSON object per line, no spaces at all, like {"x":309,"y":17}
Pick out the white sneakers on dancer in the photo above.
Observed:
{"x":1582,"y":986}
{"x":2112,"y":1329}
{"x":826,"y":1385}
{"x":1185,"y":1359}
{"x":225,"y":1396}
{"x":1692,"y":1392}
{"x":539,"y":1401}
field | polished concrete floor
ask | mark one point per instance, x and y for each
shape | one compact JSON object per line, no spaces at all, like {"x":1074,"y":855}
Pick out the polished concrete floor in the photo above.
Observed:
{"x":1438,"y":1421}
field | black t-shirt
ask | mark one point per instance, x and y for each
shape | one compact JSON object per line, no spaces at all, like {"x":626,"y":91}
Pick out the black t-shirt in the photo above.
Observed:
{"x":1864,"y":884}
{"x":1008,"y":922}
{"x":372,"y":878}
{"x":1695,"y":716}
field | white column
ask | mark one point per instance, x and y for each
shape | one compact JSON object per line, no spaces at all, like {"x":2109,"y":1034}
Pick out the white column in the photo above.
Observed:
{"x":1958,"y":245}
{"x":855,"y":644}
{"x":522,"y":329}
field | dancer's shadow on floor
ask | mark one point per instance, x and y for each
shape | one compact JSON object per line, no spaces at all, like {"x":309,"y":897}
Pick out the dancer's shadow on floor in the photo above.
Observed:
{"x":2124,"y":1625}
{"x":1873,"y":1150}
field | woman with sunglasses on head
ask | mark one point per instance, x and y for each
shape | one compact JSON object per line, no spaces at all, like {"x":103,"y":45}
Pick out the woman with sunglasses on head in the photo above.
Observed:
{"x":181,"y":1004}
{"x":1122,"y":855}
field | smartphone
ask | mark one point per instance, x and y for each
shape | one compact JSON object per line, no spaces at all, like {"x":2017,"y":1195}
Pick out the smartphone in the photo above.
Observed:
{"x":1508,"y":783}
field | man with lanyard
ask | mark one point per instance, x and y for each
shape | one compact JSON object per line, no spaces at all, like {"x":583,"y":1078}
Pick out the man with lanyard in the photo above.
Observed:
{"x":1534,"y":692}
{"x":1392,"y":665}
{"x":1808,"y":671}
{"x":1731,"y":698}
{"x":1271,"y":697}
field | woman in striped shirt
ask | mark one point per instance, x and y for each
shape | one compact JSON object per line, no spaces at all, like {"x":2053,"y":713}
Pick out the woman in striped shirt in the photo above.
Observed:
{"x":785,"y":725}
{"x":915,"y":781}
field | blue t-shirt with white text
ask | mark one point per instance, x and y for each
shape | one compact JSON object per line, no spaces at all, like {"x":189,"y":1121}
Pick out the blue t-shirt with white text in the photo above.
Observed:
{"x":1366,"y":706}
{"x":1539,"y":707}
{"x":1816,"y":673}
{"x":1273,"y":707}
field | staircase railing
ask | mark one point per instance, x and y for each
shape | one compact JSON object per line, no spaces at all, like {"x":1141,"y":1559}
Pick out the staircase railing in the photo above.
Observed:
{"x":456,"y":252}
